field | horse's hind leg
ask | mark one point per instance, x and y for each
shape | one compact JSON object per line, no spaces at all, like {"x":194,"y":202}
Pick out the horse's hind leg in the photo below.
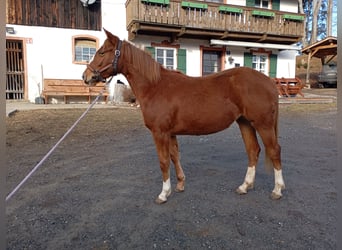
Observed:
{"x":269,"y":138}
{"x":174,"y":153}
{"x":253,"y":149}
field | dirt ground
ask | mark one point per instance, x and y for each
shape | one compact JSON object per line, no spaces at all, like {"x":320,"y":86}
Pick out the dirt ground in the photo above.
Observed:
{"x":97,"y":190}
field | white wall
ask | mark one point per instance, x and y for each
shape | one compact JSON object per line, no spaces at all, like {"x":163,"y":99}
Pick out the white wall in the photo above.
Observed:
{"x":48,"y":50}
{"x":114,"y":17}
{"x":286,"y":64}
{"x":289,"y":6}
{"x":237,"y":2}
{"x":193,"y":55}
{"x":114,"y":20}
{"x":237,"y":54}
{"x":285,"y":59}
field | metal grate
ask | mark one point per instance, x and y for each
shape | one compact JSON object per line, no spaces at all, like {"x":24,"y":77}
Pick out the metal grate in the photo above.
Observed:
{"x":15,"y":70}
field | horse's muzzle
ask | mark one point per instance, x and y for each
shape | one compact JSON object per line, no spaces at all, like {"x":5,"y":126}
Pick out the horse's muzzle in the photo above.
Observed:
{"x":92,"y":78}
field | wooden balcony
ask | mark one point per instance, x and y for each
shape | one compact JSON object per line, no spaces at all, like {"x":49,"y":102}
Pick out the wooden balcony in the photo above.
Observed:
{"x":204,"y":20}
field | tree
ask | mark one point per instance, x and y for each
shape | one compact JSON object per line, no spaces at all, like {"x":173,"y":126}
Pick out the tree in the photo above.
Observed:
{"x":301,"y":11}
{"x":329,"y":17}
{"x":320,"y":19}
{"x":316,"y":7}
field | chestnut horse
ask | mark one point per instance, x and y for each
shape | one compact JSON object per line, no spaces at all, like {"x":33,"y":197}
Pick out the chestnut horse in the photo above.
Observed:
{"x":173,"y":103}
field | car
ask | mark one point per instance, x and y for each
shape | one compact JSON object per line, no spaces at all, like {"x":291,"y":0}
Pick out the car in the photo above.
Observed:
{"x":328,"y":76}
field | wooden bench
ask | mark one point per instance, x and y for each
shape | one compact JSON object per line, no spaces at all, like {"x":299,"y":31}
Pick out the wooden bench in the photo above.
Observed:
{"x":289,"y":86}
{"x":67,"y":88}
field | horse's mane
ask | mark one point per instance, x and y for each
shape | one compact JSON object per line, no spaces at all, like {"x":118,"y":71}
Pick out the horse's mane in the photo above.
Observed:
{"x":143,"y":62}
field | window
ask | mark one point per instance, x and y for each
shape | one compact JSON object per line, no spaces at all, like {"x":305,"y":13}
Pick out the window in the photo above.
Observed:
{"x":265,"y":62}
{"x":211,"y":61}
{"x":84,"y":49}
{"x":261,"y":4}
{"x":166,"y":57}
{"x":260,"y":63}
{"x":176,"y":59}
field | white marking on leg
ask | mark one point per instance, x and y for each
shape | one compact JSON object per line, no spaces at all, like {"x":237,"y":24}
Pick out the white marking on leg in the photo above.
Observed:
{"x":249,"y":180}
{"x":166,"y":191}
{"x":279,"y":183}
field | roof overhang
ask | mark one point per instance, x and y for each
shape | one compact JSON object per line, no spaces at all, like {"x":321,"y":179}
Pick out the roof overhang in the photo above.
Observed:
{"x":323,"y":48}
{"x":255,"y":45}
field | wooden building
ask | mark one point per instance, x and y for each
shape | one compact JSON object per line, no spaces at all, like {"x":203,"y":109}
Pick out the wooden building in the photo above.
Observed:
{"x":56,"y":39}
{"x":47,"y":38}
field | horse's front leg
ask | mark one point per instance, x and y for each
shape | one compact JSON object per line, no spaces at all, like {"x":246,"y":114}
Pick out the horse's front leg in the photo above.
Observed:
{"x":174,"y":152}
{"x":162,"y":141}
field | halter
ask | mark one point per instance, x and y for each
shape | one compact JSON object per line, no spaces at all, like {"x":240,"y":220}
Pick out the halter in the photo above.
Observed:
{"x":97,"y":73}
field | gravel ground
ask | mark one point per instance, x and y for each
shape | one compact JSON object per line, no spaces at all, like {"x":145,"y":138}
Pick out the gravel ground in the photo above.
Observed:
{"x":97,"y":190}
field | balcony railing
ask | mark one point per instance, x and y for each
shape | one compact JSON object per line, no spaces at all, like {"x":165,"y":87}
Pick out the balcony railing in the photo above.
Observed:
{"x":211,"y":20}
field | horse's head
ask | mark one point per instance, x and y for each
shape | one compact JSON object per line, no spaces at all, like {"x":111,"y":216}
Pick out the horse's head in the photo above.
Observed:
{"x":105,"y":61}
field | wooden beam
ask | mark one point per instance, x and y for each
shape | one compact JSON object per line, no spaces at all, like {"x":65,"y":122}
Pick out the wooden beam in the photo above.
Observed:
{"x":330,"y":46}
{"x":225,"y":34}
{"x":263,"y":37}
{"x":307,"y":80}
{"x":330,"y":59}
{"x":181,"y":32}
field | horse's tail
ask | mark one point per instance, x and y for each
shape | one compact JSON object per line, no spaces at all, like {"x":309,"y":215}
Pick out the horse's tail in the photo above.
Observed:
{"x":268,"y":161}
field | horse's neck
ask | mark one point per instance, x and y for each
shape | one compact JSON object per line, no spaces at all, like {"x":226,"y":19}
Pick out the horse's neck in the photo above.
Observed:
{"x":141,"y":78}
{"x":141,"y":87}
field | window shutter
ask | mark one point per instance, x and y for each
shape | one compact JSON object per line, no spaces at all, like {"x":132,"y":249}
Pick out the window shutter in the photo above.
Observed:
{"x":151,"y":51}
{"x":275,"y":4}
{"x":250,"y":3}
{"x":181,"y":60}
{"x":248,"y":57}
{"x":273,"y":66}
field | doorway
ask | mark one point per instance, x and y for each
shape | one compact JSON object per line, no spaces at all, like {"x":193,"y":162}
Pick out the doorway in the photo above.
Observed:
{"x":15,"y":71}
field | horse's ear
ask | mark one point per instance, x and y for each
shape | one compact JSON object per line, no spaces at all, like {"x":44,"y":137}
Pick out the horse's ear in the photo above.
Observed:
{"x":108,"y":34}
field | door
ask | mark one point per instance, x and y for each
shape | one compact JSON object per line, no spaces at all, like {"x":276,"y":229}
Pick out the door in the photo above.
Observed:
{"x":15,"y":72}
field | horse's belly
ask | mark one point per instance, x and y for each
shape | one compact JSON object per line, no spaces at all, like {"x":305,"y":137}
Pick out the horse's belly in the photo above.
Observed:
{"x":206,"y":123}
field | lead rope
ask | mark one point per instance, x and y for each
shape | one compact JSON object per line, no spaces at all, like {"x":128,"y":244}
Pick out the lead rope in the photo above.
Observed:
{"x":9,"y":196}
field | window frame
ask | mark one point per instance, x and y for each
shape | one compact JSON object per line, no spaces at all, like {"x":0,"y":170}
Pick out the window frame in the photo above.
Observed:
{"x":181,"y":55}
{"x":260,"y":5}
{"x":174,"y":56}
{"x":265,"y":71}
{"x":82,"y":37}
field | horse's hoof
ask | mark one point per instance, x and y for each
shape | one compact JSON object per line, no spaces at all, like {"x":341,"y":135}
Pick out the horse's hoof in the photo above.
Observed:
{"x":275,"y":196}
{"x":179,"y":190}
{"x":160,"y":201}
{"x":239,"y":191}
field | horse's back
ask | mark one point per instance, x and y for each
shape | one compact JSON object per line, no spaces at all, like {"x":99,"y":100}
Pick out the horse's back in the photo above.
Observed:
{"x":236,"y":78}
{"x":240,"y":86}
{"x":253,"y":92}
{"x":250,"y":78}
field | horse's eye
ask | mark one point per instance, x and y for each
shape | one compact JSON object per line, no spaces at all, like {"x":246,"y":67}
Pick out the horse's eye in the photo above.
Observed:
{"x":101,"y":53}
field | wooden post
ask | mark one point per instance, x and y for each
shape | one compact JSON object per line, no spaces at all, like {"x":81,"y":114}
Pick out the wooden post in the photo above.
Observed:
{"x":307,"y":81}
